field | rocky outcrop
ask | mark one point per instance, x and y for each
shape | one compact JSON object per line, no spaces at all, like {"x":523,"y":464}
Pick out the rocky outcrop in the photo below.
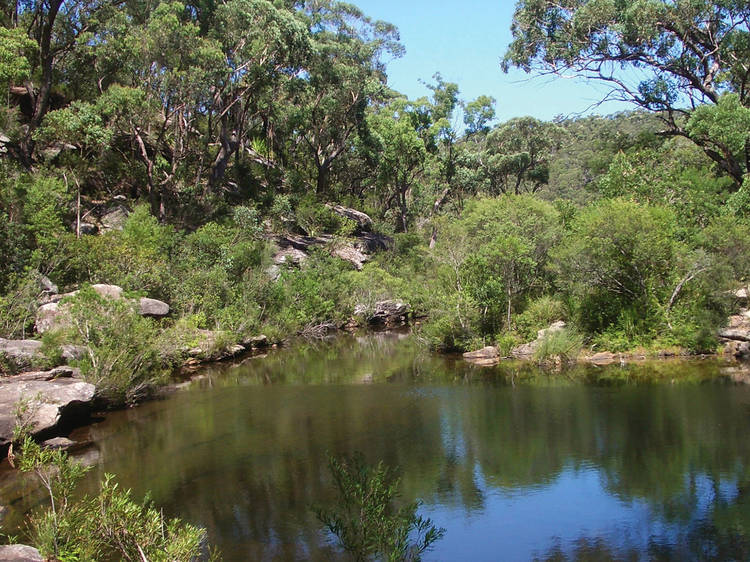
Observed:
{"x":486,"y":357}
{"x":19,"y":553}
{"x":55,"y":314}
{"x":527,"y":350}
{"x":44,"y":404}
{"x":19,"y":355}
{"x":387,"y":313}
{"x":294,"y":248}
{"x":736,"y":335}
{"x":113,"y":218}
{"x":362,"y":220}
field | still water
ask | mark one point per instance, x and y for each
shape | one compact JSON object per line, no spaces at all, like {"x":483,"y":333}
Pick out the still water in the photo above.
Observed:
{"x":647,"y":462}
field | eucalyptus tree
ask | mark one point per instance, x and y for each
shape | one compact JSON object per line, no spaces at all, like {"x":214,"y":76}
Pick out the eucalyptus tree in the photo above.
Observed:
{"x":345,"y":74}
{"x":667,"y":56}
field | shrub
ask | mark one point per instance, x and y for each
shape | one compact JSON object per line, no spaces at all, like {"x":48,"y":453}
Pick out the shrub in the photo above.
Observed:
{"x":108,"y":526}
{"x":560,"y":345}
{"x":367,"y":522}
{"x":122,"y":348}
{"x":539,"y":314}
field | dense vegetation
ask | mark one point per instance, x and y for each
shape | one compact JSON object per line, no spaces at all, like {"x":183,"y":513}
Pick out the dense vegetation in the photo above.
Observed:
{"x":218,"y":125}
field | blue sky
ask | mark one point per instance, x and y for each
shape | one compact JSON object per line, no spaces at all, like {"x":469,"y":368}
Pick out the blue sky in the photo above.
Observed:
{"x":465,"y":41}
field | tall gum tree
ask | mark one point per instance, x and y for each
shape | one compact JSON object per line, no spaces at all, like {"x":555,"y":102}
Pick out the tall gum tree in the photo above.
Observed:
{"x":667,"y":56}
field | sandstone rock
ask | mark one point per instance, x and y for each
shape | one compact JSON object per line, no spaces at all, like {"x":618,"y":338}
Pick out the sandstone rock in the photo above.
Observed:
{"x":371,"y":242}
{"x":63,"y":372}
{"x":527,"y":350}
{"x":352,"y":255}
{"x":58,"y":443}
{"x":387,"y":313}
{"x":20,"y":355}
{"x":49,"y":316}
{"x":153,"y":307}
{"x":603,"y":358}
{"x":489,"y":352}
{"x":363,"y":221}
{"x":255,"y":341}
{"x":19,"y":553}
{"x":72,"y":352}
{"x":290,"y":255}
{"x":108,"y":291}
{"x":114,"y":218}
{"x":87,"y":228}
{"x":46,"y":285}
{"x":48,"y":404}
{"x":556,"y":327}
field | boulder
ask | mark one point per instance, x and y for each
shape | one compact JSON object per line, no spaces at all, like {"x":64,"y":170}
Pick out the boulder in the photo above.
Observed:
{"x":72,"y":352}
{"x":46,"y":285}
{"x":255,"y":341}
{"x":207,"y":348}
{"x":387,"y":313}
{"x":87,"y":228}
{"x":362,"y":220}
{"x":153,"y":308}
{"x":289,"y":255}
{"x":114,"y":218}
{"x":54,"y":315}
{"x":20,"y":355}
{"x":19,"y":553}
{"x":489,"y":352}
{"x":486,"y":357}
{"x":58,"y":443}
{"x":107,"y":291}
{"x":49,"y":403}
{"x":527,"y":350}
{"x":371,"y":242}
{"x":603,"y":358}
{"x":50,"y":316}
{"x":352,"y":255}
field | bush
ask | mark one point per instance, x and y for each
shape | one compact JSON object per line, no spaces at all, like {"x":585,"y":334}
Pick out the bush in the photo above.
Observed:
{"x":539,"y":314}
{"x":108,"y":526}
{"x":562,"y":345}
{"x":122,"y":357}
{"x":366,"y":520}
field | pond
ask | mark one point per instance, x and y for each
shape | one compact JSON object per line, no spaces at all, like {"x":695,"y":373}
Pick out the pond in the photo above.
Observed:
{"x":648,"y":461}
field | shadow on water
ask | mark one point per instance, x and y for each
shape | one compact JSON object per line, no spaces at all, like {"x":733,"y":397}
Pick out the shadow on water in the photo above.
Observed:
{"x":637,"y":462}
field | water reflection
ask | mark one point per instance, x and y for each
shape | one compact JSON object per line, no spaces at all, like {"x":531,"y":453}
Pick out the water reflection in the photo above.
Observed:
{"x":641,"y":462}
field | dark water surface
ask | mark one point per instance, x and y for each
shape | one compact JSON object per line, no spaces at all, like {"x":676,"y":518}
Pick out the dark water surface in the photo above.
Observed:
{"x":642,"y":462}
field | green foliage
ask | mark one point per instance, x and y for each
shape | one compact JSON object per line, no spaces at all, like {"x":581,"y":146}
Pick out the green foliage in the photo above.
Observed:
{"x":108,"y":526}
{"x":367,"y":522}
{"x":558,"y":345}
{"x":15,"y":51}
{"x":539,"y":314}
{"x":122,"y":348}
{"x":619,"y":257}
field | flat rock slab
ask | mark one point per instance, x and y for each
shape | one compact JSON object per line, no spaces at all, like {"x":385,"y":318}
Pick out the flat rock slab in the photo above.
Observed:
{"x":48,"y":403}
{"x":19,"y":553}
{"x":488,"y":352}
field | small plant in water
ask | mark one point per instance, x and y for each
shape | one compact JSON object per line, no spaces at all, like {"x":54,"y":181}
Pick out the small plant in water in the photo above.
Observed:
{"x":366,"y":520}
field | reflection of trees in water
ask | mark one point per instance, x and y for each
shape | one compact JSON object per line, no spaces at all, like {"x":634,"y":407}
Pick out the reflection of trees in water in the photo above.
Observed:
{"x":248,"y":462}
